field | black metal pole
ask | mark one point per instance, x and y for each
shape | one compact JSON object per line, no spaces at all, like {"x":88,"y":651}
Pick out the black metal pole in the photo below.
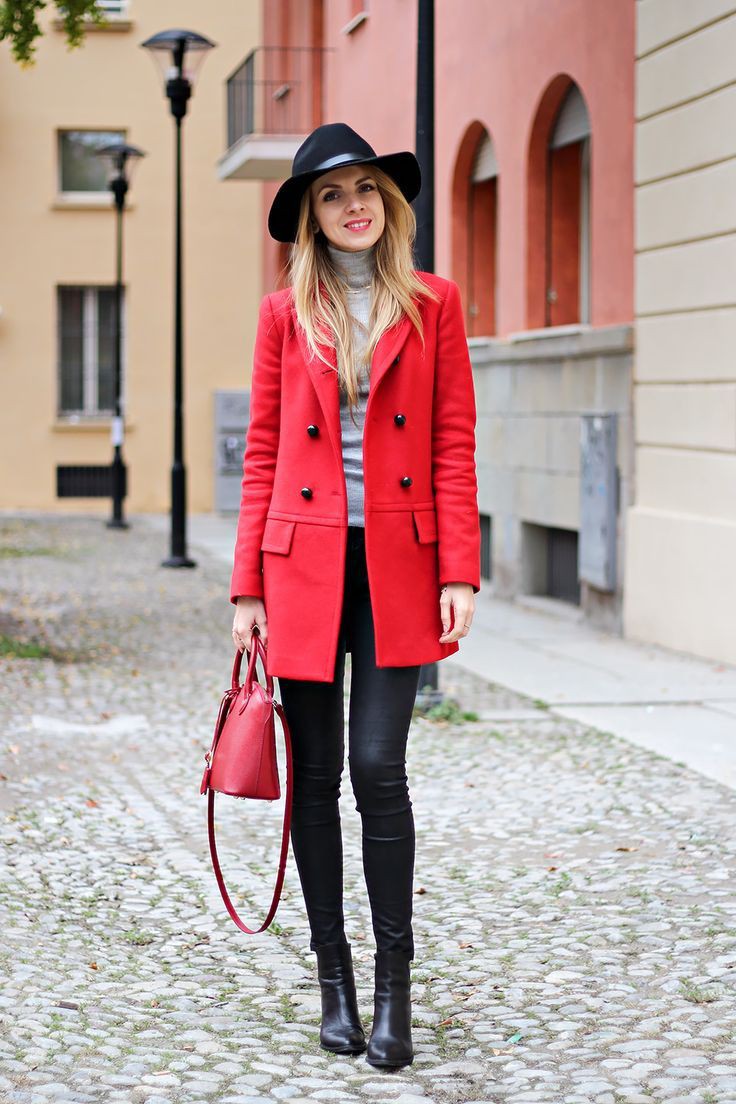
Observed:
{"x":170,"y":49}
{"x":178,"y":557}
{"x":424,"y":205}
{"x":118,"y":473}
{"x":424,"y":208}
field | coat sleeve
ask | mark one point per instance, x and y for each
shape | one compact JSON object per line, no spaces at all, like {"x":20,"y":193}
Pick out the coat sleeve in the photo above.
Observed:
{"x":454,"y":478}
{"x":259,"y":458}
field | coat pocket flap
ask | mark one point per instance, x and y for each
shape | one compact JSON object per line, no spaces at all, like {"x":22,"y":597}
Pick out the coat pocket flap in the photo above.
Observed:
{"x":277,"y":535}
{"x":425,"y":522}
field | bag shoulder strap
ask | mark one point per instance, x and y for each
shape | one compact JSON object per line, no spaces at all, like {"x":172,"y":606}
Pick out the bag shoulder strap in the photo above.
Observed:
{"x":284,"y":838}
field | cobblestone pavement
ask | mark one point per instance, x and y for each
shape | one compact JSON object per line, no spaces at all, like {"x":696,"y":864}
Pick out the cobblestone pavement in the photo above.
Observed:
{"x":575,"y":918}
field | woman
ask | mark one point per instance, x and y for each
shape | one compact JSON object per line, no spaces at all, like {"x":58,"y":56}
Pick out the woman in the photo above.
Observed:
{"x":359,"y":532}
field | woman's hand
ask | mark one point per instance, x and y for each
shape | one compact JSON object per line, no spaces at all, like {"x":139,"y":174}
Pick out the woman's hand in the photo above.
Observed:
{"x":249,"y":611}
{"x":459,"y":597}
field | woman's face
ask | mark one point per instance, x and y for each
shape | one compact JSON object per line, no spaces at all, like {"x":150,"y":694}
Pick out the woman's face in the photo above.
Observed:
{"x":348,"y":207}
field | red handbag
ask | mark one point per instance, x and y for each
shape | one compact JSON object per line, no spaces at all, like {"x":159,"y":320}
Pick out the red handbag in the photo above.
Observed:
{"x":242,"y":761}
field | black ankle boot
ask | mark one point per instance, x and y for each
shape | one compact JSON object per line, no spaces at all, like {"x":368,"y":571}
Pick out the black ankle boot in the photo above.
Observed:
{"x":341,"y":1030}
{"x":390,"y":1040}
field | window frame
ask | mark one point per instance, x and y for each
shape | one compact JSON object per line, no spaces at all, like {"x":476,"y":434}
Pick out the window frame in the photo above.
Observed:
{"x":90,"y":410}
{"x":101,"y":196}
{"x":118,"y":9}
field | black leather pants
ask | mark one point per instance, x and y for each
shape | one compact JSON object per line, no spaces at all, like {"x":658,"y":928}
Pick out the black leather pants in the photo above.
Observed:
{"x":381,"y":703}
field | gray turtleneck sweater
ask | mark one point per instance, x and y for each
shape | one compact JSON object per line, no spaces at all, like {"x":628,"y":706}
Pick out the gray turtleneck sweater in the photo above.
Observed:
{"x":357,"y":270}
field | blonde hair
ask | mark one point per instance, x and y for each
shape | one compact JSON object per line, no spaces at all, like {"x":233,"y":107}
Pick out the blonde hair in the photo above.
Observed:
{"x":319,"y":291}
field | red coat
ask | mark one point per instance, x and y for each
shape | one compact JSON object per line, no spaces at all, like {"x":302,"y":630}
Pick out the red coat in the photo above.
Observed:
{"x":290,"y":546}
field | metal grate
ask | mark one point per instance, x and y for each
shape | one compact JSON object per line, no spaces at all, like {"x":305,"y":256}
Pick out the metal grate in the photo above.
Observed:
{"x":486,"y":560}
{"x":562,"y":565}
{"x":86,"y":481}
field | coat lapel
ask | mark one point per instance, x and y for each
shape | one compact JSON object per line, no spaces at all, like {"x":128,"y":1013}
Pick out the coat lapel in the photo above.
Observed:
{"x":324,"y":376}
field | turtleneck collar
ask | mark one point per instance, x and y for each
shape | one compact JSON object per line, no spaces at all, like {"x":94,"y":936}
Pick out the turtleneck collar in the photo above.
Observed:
{"x":355,"y":266}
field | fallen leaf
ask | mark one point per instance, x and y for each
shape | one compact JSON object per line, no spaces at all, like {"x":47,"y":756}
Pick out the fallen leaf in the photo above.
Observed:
{"x":93,"y":965}
{"x":92,"y":803}
{"x":627,"y":848}
{"x":420,"y":890}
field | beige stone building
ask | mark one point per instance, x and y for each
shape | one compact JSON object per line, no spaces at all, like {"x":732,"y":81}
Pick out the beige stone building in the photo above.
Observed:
{"x":57,"y":228}
{"x":680,"y":578}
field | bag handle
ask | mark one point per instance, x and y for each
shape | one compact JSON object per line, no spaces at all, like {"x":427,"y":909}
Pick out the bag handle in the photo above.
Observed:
{"x":250,"y":673}
{"x":227,"y":701}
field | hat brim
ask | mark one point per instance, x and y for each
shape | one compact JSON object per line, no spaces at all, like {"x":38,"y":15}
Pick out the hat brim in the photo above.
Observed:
{"x":283,"y":217}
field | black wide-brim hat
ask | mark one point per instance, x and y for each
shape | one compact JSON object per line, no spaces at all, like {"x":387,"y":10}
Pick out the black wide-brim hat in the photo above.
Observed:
{"x":333,"y":146}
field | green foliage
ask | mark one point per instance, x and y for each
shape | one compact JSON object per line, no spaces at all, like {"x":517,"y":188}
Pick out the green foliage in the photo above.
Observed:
{"x":12,"y":552}
{"x":19,"y":24}
{"x":18,"y":649}
{"x":139,"y":938}
{"x":448,"y":710}
{"x":699,"y":994}
{"x":561,"y":884}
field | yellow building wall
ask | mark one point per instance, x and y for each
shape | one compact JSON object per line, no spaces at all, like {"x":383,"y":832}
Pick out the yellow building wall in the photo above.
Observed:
{"x":681,"y":532}
{"x":111,"y":83}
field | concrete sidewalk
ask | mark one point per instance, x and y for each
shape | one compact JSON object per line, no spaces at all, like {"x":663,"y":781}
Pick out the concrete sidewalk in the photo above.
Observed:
{"x":674,"y":704}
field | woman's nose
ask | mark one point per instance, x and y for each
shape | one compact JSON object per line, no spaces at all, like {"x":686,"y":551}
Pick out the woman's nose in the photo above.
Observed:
{"x":356,"y":203}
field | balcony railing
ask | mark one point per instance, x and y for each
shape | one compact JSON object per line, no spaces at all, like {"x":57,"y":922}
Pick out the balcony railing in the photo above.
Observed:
{"x":276,"y":90}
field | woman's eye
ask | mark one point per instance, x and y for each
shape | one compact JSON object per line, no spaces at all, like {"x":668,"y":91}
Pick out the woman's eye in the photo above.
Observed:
{"x":363,"y":187}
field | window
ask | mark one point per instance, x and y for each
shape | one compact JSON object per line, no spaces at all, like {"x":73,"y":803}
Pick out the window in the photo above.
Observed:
{"x":474,"y":228}
{"x":80,"y":169}
{"x":550,"y":562}
{"x":113,"y":7}
{"x":86,"y":355}
{"x":568,"y":241}
{"x":558,"y":209}
{"x":483,"y":204}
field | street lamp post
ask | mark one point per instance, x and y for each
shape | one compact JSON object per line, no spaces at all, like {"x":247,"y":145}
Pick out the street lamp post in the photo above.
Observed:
{"x":179,"y":55}
{"x":119,"y":157}
{"x":429,"y":693}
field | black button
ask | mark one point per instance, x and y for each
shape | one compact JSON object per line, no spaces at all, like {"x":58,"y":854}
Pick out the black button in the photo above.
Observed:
{"x":396,"y":360}
{"x":399,"y":418}
{"x":312,"y":430}
{"x":406,"y":481}
{"x":307,"y":492}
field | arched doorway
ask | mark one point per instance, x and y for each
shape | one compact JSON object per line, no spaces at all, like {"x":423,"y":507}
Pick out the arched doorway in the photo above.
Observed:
{"x":474,"y":229}
{"x":558,"y":241}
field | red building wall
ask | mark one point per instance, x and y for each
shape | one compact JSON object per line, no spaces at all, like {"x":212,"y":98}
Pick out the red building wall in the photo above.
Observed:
{"x":503,"y":65}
